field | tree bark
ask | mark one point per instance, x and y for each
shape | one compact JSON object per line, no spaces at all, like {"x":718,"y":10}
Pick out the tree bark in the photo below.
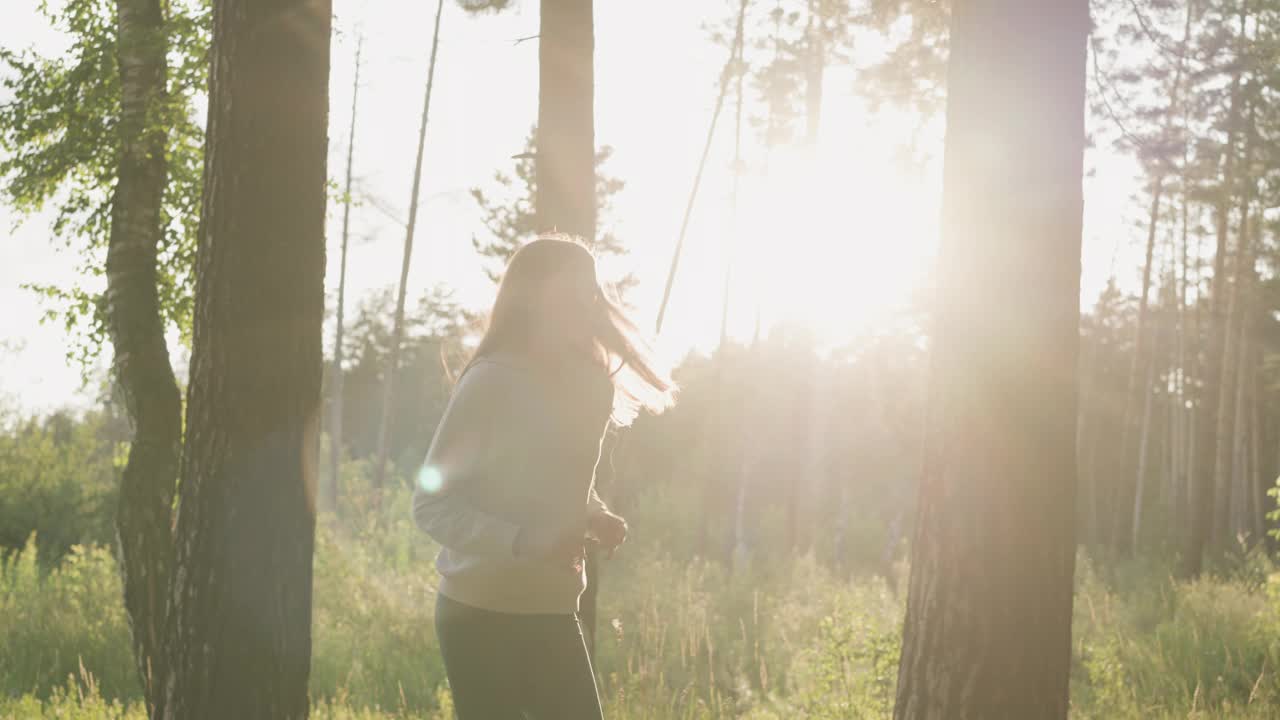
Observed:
{"x":988,"y":625}
{"x":397,"y":332}
{"x":143,"y":373}
{"x":335,"y":409}
{"x":239,"y":640}
{"x":565,"y":146}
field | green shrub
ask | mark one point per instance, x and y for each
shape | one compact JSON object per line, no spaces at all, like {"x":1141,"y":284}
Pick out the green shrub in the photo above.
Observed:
{"x":58,"y":479}
{"x":374,"y":599}
{"x":1166,"y":648}
{"x":56,"y":624}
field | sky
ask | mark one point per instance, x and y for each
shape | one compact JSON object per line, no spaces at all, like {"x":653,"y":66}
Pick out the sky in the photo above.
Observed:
{"x":833,"y":241}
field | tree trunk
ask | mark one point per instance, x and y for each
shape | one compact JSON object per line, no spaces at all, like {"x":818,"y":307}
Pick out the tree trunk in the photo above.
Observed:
{"x":1257,"y":518}
{"x":1223,"y":445}
{"x":1239,"y":426}
{"x":1180,"y":419}
{"x":988,"y":625}
{"x":335,"y":410}
{"x":815,"y":68}
{"x":142,"y":371}
{"x":1090,"y":353}
{"x":1144,"y":442}
{"x":1203,"y":500}
{"x":397,"y":332}
{"x":1179,"y":498}
{"x":565,"y":145}
{"x":1242,"y":262}
{"x":1135,"y":395}
{"x":1190,"y":484}
{"x":725,"y":75}
{"x":564,"y":162}
{"x":239,"y":633}
{"x":1127,"y":490}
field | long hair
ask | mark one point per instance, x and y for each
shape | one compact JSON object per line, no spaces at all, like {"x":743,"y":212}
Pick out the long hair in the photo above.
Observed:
{"x":639,"y":380}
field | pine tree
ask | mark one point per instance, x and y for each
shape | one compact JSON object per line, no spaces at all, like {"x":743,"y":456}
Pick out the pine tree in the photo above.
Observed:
{"x":509,"y":217}
{"x":988,"y":626}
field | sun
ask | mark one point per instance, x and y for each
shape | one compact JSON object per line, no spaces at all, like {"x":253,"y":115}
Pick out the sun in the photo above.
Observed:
{"x":833,"y":246}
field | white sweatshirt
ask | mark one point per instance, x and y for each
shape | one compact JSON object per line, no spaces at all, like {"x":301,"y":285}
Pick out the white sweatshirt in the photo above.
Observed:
{"x":516,"y":447}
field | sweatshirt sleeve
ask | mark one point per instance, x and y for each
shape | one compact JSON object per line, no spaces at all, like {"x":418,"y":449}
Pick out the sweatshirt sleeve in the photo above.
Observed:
{"x":595,"y":505}
{"x":461,"y":442}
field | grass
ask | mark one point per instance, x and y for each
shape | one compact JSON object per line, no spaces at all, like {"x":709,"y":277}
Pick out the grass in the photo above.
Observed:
{"x":681,"y":638}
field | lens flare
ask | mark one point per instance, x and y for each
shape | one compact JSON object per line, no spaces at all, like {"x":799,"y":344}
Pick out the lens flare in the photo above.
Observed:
{"x":430,"y":479}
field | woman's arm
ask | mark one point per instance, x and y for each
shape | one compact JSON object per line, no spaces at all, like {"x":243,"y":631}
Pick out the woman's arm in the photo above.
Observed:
{"x":608,"y":529}
{"x":462,"y":442}
{"x":595,"y":506}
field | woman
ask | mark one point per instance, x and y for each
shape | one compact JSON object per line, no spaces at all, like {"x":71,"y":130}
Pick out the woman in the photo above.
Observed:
{"x":507,"y":488}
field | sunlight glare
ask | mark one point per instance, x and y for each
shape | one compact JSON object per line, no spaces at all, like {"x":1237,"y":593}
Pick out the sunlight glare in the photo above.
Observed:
{"x":833,"y":245}
{"x":430,"y":479}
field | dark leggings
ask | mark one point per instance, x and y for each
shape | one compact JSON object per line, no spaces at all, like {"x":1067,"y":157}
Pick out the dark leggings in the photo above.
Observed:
{"x":515,"y":667}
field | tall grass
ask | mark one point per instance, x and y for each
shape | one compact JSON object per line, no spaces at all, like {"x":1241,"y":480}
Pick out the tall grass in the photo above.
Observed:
{"x":679,"y":637}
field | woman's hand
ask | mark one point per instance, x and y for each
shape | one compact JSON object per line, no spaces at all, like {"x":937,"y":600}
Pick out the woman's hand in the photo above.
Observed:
{"x":562,"y":548}
{"x":607,"y":529}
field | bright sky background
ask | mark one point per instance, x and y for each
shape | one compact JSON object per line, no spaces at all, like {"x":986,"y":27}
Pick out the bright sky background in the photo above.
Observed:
{"x":840,"y":251}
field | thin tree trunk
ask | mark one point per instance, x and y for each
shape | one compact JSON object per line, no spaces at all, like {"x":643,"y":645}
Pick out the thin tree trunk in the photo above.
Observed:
{"x":1224,"y":431}
{"x":1226,"y":419}
{"x":142,"y":371}
{"x":1189,"y":476}
{"x":1239,"y":426}
{"x":397,"y":332}
{"x":1143,"y":442}
{"x":1180,"y":495}
{"x":1132,"y":399}
{"x":1257,"y":520}
{"x":239,"y":631}
{"x":1181,"y":413}
{"x":815,"y":464}
{"x":988,"y":624}
{"x":737,"y":555}
{"x":1087,"y":382}
{"x":1204,"y":491}
{"x":726,"y":74}
{"x":1125,"y":511}
{"x":736,"y":170}
{"x":1173,"y":445}
{"x":815,"y":69}
{"x":746,"y":469}
{"x":1097,"y":520}
{"x":335,"y":417}
{"x":1194,"y":340}
{"x":1091,"y":484}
